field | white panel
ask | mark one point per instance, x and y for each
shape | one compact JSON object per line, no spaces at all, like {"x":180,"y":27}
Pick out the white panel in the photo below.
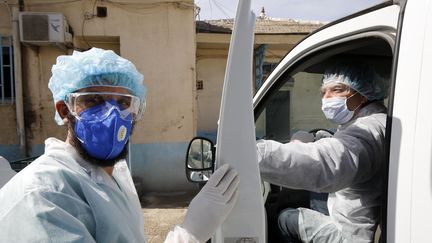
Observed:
{"x":403,"y":139}
{"x":236,"y":134}
{"x":422,"y":166}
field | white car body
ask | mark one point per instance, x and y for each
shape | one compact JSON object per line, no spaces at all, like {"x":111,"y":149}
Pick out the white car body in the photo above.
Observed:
{"x":399,"y":32}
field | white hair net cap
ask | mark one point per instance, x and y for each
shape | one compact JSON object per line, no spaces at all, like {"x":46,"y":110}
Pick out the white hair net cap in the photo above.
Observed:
{"x":359,"y":76}
{"x":95,"y":67}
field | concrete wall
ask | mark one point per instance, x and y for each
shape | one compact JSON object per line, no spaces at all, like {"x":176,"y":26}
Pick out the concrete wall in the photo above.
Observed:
{"x":306,"y":111}
{"x":159,"y":38}
{"x":8,"y":128}
{"x":211,"y":71}
{"x":5,"y":23}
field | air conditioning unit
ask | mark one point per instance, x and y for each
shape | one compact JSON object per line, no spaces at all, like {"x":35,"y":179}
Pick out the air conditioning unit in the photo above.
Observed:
{"x":44,"y":28}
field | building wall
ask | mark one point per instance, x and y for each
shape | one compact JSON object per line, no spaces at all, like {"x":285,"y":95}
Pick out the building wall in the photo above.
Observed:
{"x":159,"y":38}
{"x":306,"y":113}
{"x":5,"y":21}
{"x":211,"y":72}
{"x":8,"y":128}
{"x":147,"y":38}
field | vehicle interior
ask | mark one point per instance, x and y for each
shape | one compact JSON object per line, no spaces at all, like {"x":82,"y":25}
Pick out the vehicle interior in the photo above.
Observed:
{"x":293,"y":103}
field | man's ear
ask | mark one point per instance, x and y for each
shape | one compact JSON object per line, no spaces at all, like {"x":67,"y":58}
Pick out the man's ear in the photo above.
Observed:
{"x":62,"y":110}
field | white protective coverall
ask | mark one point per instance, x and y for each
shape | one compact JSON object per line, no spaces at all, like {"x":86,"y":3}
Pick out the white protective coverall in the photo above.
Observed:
{"x":348,"y":166}
{"x":62,"y":198}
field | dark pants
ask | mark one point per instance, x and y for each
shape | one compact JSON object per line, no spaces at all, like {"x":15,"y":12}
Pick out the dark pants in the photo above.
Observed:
{"x":318,"y":202}
{"x":289,"y":226}
{"x":306,"y":225}
{"x":288,"y":220}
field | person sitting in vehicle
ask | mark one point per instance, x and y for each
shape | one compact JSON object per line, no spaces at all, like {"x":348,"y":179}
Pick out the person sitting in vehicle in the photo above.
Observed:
{"x":348,"y":165}
{"x":81,"y":189}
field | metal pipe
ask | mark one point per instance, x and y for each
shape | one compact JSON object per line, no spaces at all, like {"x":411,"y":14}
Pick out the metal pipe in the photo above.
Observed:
{"x":19,"y":104}
{"x":11,"y":70}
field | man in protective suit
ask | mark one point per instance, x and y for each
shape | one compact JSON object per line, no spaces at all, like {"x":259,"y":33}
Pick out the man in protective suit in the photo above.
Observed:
{"x":81,"y":189}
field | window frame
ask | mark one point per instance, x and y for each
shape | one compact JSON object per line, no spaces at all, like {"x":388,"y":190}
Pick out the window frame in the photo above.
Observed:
{"x":315,"y":56}
{"x":6,"y":42}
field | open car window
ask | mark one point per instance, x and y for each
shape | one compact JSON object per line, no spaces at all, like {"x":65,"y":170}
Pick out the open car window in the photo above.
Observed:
{"x":295,"y":106}
{"x":293,"y":103}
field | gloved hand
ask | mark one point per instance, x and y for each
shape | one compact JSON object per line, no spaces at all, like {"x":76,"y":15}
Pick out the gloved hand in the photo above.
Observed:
{"x":322,"y":134}
{"x":212,"y":204}
{"x":307,"y":137}
{"x":302,"y":136}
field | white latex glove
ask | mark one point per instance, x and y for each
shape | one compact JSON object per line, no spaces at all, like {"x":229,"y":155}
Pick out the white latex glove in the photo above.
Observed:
{"x":302,"y":136}
{"x":212,"y":204}
{"x":322,"y":134}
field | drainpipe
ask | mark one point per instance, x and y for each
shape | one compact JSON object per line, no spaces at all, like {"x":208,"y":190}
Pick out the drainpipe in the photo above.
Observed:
{"x":19,"y":104}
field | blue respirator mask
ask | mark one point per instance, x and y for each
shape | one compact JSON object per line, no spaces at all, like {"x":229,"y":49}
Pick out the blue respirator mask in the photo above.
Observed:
{"x":104,"y":126}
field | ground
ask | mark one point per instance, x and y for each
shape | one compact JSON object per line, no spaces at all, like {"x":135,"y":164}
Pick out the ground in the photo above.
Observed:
{"x":159,"y":221}
{"x":161,"y":213}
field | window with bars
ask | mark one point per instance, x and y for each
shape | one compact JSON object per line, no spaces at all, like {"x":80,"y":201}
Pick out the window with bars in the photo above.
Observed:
{"x":7,"y":88}
{"x":267,"y":67}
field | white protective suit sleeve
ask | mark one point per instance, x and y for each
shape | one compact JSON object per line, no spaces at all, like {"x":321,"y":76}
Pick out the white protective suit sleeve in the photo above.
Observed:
{"x":329,"y":164}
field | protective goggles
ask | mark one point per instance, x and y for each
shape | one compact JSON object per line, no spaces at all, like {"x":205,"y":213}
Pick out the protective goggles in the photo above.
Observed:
{"x":130,"y":107}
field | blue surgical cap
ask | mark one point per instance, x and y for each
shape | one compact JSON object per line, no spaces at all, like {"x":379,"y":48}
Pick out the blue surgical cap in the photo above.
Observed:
{"x":95,"y":67}
{"x":359,"y":76}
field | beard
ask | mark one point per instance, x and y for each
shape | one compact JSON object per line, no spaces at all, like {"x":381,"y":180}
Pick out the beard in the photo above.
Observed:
{"x":74,"y":141}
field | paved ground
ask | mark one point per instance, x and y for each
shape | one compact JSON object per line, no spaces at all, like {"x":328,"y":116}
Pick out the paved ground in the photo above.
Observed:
{"x":159,"y":221}
{"x":162,"y":212}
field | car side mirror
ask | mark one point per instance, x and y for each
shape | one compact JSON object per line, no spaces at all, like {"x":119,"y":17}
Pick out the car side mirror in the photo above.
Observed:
{"x":200,"y":160}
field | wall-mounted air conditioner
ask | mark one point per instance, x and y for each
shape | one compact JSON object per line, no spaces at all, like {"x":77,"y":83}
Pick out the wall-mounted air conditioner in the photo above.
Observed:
{"x":44,"y":28}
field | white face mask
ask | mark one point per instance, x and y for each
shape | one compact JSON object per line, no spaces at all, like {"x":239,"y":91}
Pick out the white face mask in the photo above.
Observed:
{"x":336,"y":110}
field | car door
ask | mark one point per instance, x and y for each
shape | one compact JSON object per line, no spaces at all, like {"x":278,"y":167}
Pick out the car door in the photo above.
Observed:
{"x":410,"y":171}
{"x":236,"y":137}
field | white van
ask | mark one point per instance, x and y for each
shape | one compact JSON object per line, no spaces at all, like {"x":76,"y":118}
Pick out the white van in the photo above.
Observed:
{"x":396,"y":37}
